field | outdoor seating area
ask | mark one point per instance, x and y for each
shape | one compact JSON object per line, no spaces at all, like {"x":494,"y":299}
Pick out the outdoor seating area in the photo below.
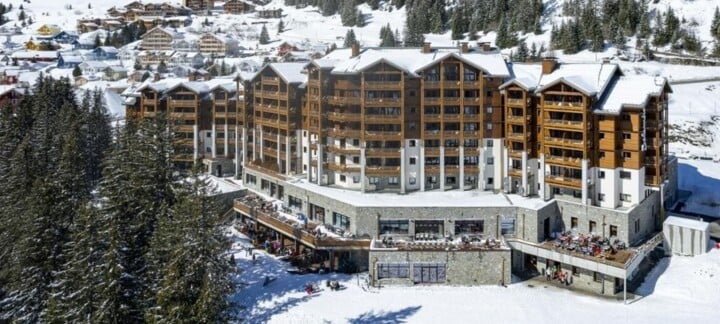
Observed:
{"x":593,"y":247}
{"x":465,"y":242}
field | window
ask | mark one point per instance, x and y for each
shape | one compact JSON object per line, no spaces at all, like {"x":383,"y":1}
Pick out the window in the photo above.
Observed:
{"x":597,"y":277}
{"x":412,"y":143}
{"x":490,"y":160}
{"x":601,"y":135}
{"x":625,"y":117}
{"x":601,"y":174}
{"x":488,"y":93}
{"x":342,"y":178}
{"x":393,"y":270}
{"x":489,"y":143}
{"x":575,"y":271}
{"x":393,"y":180}
{"x":625,"y":175}
{"x":341,"y":220}
{"x":488,"y":126}
{"x":394,"y":226}
{"x":637,"y":226}
{"x":488,"y":110}
{"x":601,"y":197}
{"x":304,"y":133}
{"x":249,"y":178}
{"x":294,"y":202}
{"x":625,"y":197}
{"x":601,"y":155}
{"x":356,"y":179}
{"x":428,"y":272}
{"x":304,"y":149}
{"x":356,"y":142}
{"x":469,"y":227}
{"x":507,"y":225}
{"x":356,"y":159}
{"x":412,"y":180}
{"x":626,"y":155}
{"x":593,"y":226}
{"x":429,"y":226}
{"x":411,"y":93}
{"x":412,"y":161}
{"x":304,"y":167}
{"x":374,"y":180}
{"x":626,"y":136}
{"x":490,"y":181}
{"x":613,"y":230}
{"x":208,"y":135}
{"x":573,"y":222}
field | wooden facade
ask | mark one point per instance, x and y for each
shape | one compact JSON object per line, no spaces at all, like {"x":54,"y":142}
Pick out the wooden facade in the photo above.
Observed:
{"x":237,"y":7}
{"x":211,"y":45}
{"x":157,"y":39}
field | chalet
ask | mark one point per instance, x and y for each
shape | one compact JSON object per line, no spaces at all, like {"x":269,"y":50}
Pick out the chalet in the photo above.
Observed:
{"x":11,"y":95}
{"x":92,"y":67}
{"x":185,"y":45}
{"x":212,"y":45}
{"x":193,"y":59}
{"x":68,"y":60}
{"x":137,"y":5}
{"x":111,"y":24}
{"x":155,"y":57}
{"x":49,"y":29}
{"x":199,"y":74}
{"x":269,"y":13}
{"x":9,"y":75}
{"x":85,"y":25}
{"x":200,"y":6}
{"x":150,"y":21}
{"x":237,"y":7}
{"x":105,"y":53}
{"x":286,"y":47}
{"x":138,"y":75}
{"x":115,"y":12}
{"x":36,"y":56}
{"x":115,"y":73}
{"x":158,"y":39}
{"x":82,"y":80}
{"x":177,"y":21}
{"x":65,"y":37}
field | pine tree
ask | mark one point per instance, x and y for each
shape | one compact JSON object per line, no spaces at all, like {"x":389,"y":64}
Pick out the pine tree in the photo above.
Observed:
{"x":97,"y":43}
{"x":715,"y":25}
{"x":348,"y":15}
{"x":76,"y":71}
{"x":387,"y":38}
{"x":522,"y":52}
{"x":194,"y":278}
{"x":349,"y":38}
{"x":162,"y":67}
{"x":264,"y":36}
{"x":281,"y":27}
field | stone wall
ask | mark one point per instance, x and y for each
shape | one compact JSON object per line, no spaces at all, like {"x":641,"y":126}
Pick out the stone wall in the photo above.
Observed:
{"x":583,"y":279}
{"x":463,"y":268}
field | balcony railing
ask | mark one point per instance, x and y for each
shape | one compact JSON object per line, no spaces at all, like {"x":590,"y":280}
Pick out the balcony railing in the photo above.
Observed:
{"x":563,"y":181}
{"x":385,"y":152}
{"x":344,"y":116}
{"x":382,"y":84}
{"x":337,"y":167}
{"x":269,"y":79}
{"x":344,"y":133}
{"x":337,"y":100}
{"x":382,"y":134}
{"x":183,"y":115}
{"x":562,"y":104}
{"x":562,"y":141}
{"x":565,"y":160}
{"x":387,"y":118}
{"x":575,"y":124}
{"x":515,"y":101}
{"x":382,"y":170}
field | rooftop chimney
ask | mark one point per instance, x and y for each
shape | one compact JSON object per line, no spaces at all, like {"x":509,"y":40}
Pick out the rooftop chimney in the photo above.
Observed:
{"x":485,"y":46}
{"x":355,"y":49}
{"x":463,"y":47}
{"x":548,"y":65}
{"x":426,"y":47}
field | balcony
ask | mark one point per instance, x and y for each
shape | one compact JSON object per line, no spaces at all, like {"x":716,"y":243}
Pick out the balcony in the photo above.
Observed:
{"x":382,"y":170}
{"x":337,"y":167}
{"x":471,"y":169}
{"x":382,"y":119}
{"x":451,"y":133}
{"x":431,"y":84}
{"x":650,"y":160}
{"x":562,"y":104}
{"x":432,"y":151}
{"x":453,"y":100}
{"x":450,"y":117}
{"x":183,"y":102}
{"x":270,"y":80}
{"x":344,"y":133}
{"x":432,"y":134}
{"x":344,"y":116}
{"x":515,"y":173}
{"x":343,"y":150}
{"x":431,"y":117}
{"x":343,"y":101}
{"x":470,"y":133}
{"x":382,"y":102}
{"x":383,"y":135}
{"x":516,"y":102}
{"x":515,"y":154}
{"x":382,"y":85}
{"x":270,"y":151}
{"x":564,"y":160}
{"x":564,"y":142}
{"x":183,"y":115}
{"x":268,"y":94}
{"x":563,"y":181}
{"x":382,"y":152}
{"x":562,"y":123}
{"x":519,"y":136}
{"x":452,"y":151}
{"x":432,"y":100}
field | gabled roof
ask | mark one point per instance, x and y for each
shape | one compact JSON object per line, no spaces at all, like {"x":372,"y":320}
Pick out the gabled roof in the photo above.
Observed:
{"x":161,"y":29}
{"x":631,"y":92}
{"x":289,"y":72}
{"x":588,"y":78}
{"x":95,"y":64}
{"x":108,"y":49}
{"x":197,"y":87}
{"x":526,"y":76}
{"x":411,"y":60}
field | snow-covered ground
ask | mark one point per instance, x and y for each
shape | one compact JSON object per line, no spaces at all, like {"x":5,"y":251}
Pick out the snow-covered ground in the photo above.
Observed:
{"x":683,"y":289}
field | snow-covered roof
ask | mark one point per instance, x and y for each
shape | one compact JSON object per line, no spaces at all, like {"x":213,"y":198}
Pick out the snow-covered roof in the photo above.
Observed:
{"x":34,"y":54}
{"x":7,"y":88}
{"x":108,"y":49}
{"x":197,"y":87}
{"x":224,"y":83}
{"x":413,"y":60}
{"x":629,"y":91}
{"x":686,"y":223}
{"x":290,"y":72}
{"x":94,"y":64}
{"x":526,"y":76}
{"x":588,"y":78}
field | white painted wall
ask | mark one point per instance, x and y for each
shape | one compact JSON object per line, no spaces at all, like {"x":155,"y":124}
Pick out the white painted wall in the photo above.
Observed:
{"x":412,"y":171}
